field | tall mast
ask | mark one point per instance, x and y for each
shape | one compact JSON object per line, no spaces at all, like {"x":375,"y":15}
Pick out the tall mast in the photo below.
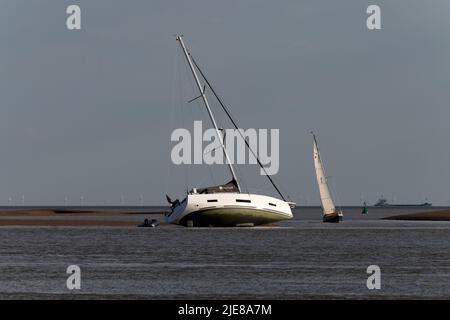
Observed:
{"x":211,"y":116}
{"x":237,"y":128}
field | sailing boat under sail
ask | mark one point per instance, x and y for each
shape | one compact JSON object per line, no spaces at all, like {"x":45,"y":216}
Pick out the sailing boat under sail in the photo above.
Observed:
{"x":224,"y":205}
{"x":330,"y":213}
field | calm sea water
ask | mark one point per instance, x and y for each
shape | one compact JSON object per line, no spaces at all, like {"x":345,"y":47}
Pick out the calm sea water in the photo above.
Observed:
{"x":300,"y":259}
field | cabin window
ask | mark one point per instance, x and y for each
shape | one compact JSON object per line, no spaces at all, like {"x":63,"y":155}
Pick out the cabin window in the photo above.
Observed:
{"x":212,"y":200}
{"x":272,"y":204}
{"x":243,"y":200}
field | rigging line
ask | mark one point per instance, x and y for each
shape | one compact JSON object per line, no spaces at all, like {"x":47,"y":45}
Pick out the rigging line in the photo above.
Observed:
{"x":185,"y":92}
{"x":172,"y":114}
{"x":242,"y":179}
{"x":236,"y":126}
{"x":194,"y":113}
{"x":207,"y":106}
{"x":203,"y":115}
{"x":210,"y":169}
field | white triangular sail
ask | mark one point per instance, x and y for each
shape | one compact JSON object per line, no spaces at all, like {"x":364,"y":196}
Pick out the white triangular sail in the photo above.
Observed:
{"x":325,"y":196}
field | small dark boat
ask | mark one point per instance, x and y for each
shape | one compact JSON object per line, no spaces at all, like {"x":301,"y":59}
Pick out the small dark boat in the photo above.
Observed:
{"x":153,"y":223}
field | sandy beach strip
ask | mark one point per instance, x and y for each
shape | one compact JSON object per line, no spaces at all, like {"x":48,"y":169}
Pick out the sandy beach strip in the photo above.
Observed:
{"x":62,"y":223}
{"x":57,"y":217}
{"x":59,"y":212}
{"x":442,"y":215}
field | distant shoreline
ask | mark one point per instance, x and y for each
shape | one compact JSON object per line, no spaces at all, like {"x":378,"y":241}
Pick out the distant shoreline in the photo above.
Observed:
{"x":442,"y":215}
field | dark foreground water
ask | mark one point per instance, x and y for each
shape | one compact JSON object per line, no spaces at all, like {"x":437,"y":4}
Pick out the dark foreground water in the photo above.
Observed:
{"x":301,"y":259}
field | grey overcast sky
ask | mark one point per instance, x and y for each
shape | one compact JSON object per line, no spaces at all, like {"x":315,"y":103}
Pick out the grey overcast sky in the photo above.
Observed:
{"x":89,"y":113}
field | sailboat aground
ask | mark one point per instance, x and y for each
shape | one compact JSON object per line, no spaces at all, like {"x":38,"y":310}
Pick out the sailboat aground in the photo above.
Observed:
{"x":224,"y":205}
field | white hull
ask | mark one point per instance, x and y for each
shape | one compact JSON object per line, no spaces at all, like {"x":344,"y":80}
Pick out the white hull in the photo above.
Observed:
{"x":228,"y":210}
